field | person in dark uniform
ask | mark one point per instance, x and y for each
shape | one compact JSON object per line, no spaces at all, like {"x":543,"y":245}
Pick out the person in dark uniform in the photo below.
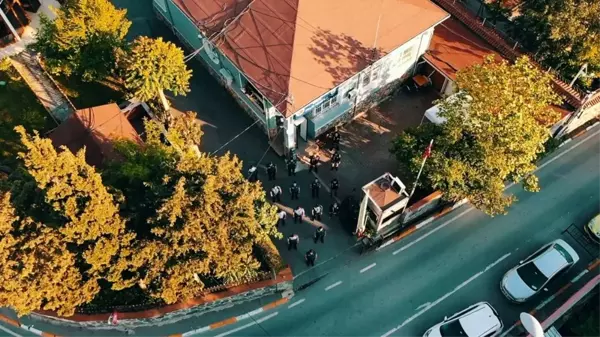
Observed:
{"x":295,"y":191}
{"x":291,"y":167}
{"x":271,"y":171}
{"x":310,"y":257}
{"x":315,"y":186}
{"x":317,"y":212}
{"x":335,"y":160}
{"x":335,"y":184}
{"x":335,"y":138}
{"x":320,"y":235}
{"x":314,"y":160}
{"x":275,"y":193}
{"x":252,"y":174}
{"x":293,"y":241}
{"x":334,"y":209}
{"x":282,"y":215}
{"x":299,"y":214}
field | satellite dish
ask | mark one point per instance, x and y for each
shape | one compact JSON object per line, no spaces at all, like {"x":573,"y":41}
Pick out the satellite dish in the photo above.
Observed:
{"x":532,"y":325}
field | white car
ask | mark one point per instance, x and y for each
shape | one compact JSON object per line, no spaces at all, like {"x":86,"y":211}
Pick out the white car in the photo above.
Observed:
{"x":478,"y":320}
{"x":532,"y":274}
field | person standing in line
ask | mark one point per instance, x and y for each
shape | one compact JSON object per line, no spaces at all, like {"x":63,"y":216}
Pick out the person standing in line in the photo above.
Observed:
{"x":282,"y":215}
{"x":271,"y":171}
{"x":252,"y":174}
{"x":317,"y":212}
{"x":299,"y":214}
{"x":335,"y":184}
{"x":314,"y":160}
{"x":320,"y":235}
{"x":335,"y":160}
{"x":334,"y":209}
{"x":295,"y":191}
{"x":315,"y":186}
{"x":291,"y":167}
{"x":275,"y":193}
{"x":310,"y":257}
{"x":293,"y":241}
{"x":336,"y":137}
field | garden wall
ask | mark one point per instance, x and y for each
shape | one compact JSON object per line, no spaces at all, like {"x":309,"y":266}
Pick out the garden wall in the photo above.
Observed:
{"x":229,"y":297}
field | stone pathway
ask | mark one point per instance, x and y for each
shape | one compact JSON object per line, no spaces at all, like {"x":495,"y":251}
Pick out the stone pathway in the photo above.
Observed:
{"x":43,"y":86}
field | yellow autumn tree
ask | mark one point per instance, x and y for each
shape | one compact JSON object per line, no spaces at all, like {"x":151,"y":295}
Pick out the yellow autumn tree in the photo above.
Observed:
{"x":56,"y":265}
{"x":206,"y":224}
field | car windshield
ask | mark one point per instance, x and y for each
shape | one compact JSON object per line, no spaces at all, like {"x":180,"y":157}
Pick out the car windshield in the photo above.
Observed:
{"x":452,"y":329}
{"x":532,"y":276}
{"x":564,"y":253}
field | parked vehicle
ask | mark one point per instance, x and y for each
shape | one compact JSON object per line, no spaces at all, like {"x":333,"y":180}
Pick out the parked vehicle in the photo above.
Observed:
{"x":592,"y":228}
{"x":532,"y":274}
{"x":478,"y":320}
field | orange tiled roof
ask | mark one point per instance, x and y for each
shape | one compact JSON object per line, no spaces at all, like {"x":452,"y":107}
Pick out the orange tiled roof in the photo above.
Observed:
{"x":306,"y":47}
{"x":455,"y":47}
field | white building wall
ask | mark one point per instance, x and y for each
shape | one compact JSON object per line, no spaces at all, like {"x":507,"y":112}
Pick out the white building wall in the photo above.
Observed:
{"x":398,"y":64}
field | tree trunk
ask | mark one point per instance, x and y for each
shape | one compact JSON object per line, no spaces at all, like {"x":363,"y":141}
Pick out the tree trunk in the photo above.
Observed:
{"x":164,"y":100}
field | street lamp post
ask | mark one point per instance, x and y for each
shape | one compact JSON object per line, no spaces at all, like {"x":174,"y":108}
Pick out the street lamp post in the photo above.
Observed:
{"x":532,"y":325}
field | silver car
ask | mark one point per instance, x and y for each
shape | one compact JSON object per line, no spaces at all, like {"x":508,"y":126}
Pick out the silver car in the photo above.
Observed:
{"x":532,"y":274}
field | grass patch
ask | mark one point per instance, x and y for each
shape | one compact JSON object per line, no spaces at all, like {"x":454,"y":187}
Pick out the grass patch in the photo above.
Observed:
{"x":89,"y":94}
{"x":18,"y":106}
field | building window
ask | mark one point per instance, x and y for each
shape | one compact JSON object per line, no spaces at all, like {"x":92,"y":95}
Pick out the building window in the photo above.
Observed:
{"x":325,"y":105}
{"x":254,"y":95}
{"x":375,"y":73}
{"x":407,"y":55}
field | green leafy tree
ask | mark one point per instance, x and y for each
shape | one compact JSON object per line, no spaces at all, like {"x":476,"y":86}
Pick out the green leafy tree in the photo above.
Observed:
{"x":154,"y":65}
{"x":565,"y":34}
{"x":83,"y":38}
{"x":496,"y":126}
{"x":204,"y":223}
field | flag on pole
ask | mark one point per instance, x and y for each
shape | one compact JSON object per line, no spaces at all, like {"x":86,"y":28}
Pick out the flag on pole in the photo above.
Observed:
{"x":427,"y":152}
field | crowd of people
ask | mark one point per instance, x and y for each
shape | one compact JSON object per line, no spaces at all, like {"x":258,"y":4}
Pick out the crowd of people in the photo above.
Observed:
{"x":298,"y":213}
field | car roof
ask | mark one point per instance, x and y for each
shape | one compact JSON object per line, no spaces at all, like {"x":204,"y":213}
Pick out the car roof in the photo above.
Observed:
{"x":480,"y":321}
{"x":550,"y":262}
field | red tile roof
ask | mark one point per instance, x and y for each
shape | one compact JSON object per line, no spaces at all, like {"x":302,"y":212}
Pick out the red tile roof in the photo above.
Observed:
{"x":455,"y":47}
{"x":95,"y":129}
{"x":304,"y":48}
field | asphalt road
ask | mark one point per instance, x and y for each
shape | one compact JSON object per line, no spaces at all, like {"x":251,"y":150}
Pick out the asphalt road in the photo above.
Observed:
{"x":456,"y":261}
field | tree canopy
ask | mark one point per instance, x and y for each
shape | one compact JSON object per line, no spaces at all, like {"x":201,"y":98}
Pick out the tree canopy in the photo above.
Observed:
{"x":565,"y":34}
{"x":54,"y":262}
{"x":496,"y":126}
{"x":154,"y":65}
{"x":83,"y":38}
{"x":203,"y":221}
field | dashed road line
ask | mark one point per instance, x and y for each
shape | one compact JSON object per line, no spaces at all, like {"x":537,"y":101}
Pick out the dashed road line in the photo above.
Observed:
{"x":296,"y":303}
{"x":439,"y":300}
{"x":333,"y":285}
{"x":576,"y":278}
{"x":258,"y":321}
{"x":368,"y":267}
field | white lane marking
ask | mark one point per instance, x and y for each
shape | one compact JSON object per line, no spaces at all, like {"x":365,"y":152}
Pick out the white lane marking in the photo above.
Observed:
{"x":434,"y":230}
{"x":423,"y":306}
{"x":509,"y":330}
{"x":585,"y":271}
{"x":368,"y":267}
{"x":439,"y":300}
{"x":10,"y":331}
{"x":296,"y":303}
{"x":258,"y":321}
{"x":195,"y":332}
{"x":333,"y":285}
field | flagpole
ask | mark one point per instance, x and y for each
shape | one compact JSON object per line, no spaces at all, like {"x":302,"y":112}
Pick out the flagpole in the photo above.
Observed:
{"x":425,"y":156}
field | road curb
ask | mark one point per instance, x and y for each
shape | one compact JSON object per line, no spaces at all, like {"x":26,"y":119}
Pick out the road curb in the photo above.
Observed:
{"x":234,"y":319}
{"x":413,"y":228}
{"x":29,"y":328}
{"x":579,"y":134}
